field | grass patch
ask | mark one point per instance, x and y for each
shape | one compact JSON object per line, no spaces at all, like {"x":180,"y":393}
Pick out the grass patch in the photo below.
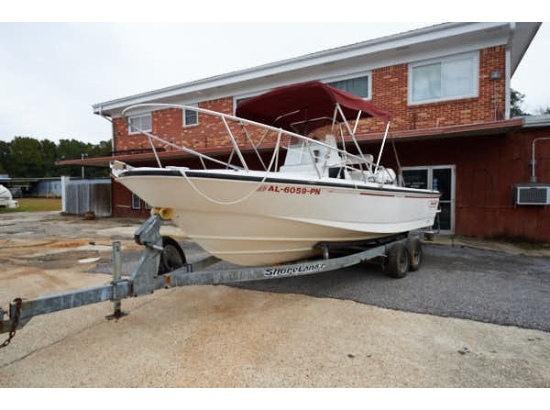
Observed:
{"x":34,"y":205}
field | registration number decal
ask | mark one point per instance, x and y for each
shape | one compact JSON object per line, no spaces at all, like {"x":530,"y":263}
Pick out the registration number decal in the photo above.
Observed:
{"x":285,"y":189}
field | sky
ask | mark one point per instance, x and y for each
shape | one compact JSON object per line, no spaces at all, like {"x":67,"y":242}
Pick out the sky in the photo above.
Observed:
{"x":55,"y":66}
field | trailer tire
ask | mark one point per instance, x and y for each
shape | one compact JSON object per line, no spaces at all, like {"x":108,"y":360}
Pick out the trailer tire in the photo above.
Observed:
{"x":398,"y":261}
{"x":172,"y":256}
{"x":415,"y":254}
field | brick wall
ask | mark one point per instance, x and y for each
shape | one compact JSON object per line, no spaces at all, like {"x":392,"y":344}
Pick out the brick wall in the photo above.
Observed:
{"x":389,"y":91}
{"x":168,"y":125}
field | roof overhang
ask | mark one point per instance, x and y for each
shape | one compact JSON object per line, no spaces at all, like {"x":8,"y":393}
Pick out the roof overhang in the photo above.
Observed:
{"x":521,"y":36}
{"x":456,"y":131}
{"x":537,"y":121}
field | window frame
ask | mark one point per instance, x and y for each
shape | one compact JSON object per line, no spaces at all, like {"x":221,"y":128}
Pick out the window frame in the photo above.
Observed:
{"x":473,"y":56}
{"x":355,"y":76}
{"x":243,"y":97}
{"x":140,"y":116}
{"x":184,"y":117}
{"x":135,"y":202}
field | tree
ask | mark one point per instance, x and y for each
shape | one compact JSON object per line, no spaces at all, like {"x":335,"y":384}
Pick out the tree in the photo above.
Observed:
{"x":26,"y":159}
{"x":4,"y":156}
{"x":70,"y":149}
{"x":73,"y":149}
{"x":103,"y":149}
{"x":49,"y":155}
{"x":516,"y":99}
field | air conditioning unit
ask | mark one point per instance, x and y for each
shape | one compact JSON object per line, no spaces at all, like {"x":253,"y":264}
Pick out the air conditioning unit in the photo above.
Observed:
{"x":532,"y":194}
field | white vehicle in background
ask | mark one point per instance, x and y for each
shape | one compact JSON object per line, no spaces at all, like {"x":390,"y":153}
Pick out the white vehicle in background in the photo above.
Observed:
{"x":6,"y":199}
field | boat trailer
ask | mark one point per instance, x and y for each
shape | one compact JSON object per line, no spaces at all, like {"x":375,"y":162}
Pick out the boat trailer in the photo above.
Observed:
{"x":163,"y":265}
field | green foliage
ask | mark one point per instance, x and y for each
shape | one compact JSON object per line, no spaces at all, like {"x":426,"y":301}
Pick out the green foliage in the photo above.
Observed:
{"x":516,"y":99}
{"x":4,"y":155}
{"x":49,"y":156}
{"x":26,"y":157}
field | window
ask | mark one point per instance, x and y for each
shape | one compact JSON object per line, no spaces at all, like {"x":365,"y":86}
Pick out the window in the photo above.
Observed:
{"x":359,"y":86}
{"x":240,"y":100}
{"x":139,"y":123}
{"x":446,"y":79}
{"x":190,"y":117}
{"x":136,"y":201}
{"x":243,"y":98}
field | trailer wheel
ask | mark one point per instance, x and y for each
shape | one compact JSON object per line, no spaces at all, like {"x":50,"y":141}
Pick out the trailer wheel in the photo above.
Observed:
{"x":171,"y":257}
{"x":415,"y":254}
{"x":398,"y":261}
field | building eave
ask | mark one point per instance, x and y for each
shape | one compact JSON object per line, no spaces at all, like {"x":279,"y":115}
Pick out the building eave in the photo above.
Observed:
{"x":521,"y":36}
{"x":537,"y":121}
{"x":455,"y":131}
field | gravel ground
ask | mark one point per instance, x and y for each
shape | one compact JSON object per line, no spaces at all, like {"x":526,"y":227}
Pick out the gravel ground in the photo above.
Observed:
{"x":324,"y":332}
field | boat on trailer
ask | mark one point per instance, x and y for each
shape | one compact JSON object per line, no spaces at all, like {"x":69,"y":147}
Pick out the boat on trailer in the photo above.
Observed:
{"x":309,"y":205}
{"x":295,"y":177}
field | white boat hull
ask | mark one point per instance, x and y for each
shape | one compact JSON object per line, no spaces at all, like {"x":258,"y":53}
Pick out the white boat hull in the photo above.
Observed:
{"x":253,"y":218}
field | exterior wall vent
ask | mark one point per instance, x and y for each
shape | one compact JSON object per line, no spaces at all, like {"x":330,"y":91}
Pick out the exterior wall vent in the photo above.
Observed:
{"x":532,"y":194}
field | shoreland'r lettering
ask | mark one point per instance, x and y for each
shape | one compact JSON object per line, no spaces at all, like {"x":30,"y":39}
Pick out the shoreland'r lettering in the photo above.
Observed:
{"x":294,"y":270}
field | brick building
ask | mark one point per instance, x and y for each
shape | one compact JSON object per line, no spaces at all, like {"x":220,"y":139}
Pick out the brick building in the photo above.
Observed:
{"x":447,"y":88}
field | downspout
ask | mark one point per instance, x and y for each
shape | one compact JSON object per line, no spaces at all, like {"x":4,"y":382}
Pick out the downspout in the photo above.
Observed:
{"x":100,"y":113}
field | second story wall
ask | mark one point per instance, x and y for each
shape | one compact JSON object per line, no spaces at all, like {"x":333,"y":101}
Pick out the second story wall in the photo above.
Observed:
{"x":390,"y":91}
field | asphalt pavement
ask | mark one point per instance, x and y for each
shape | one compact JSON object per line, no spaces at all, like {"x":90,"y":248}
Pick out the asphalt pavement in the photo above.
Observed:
{"x":459,"y":282}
